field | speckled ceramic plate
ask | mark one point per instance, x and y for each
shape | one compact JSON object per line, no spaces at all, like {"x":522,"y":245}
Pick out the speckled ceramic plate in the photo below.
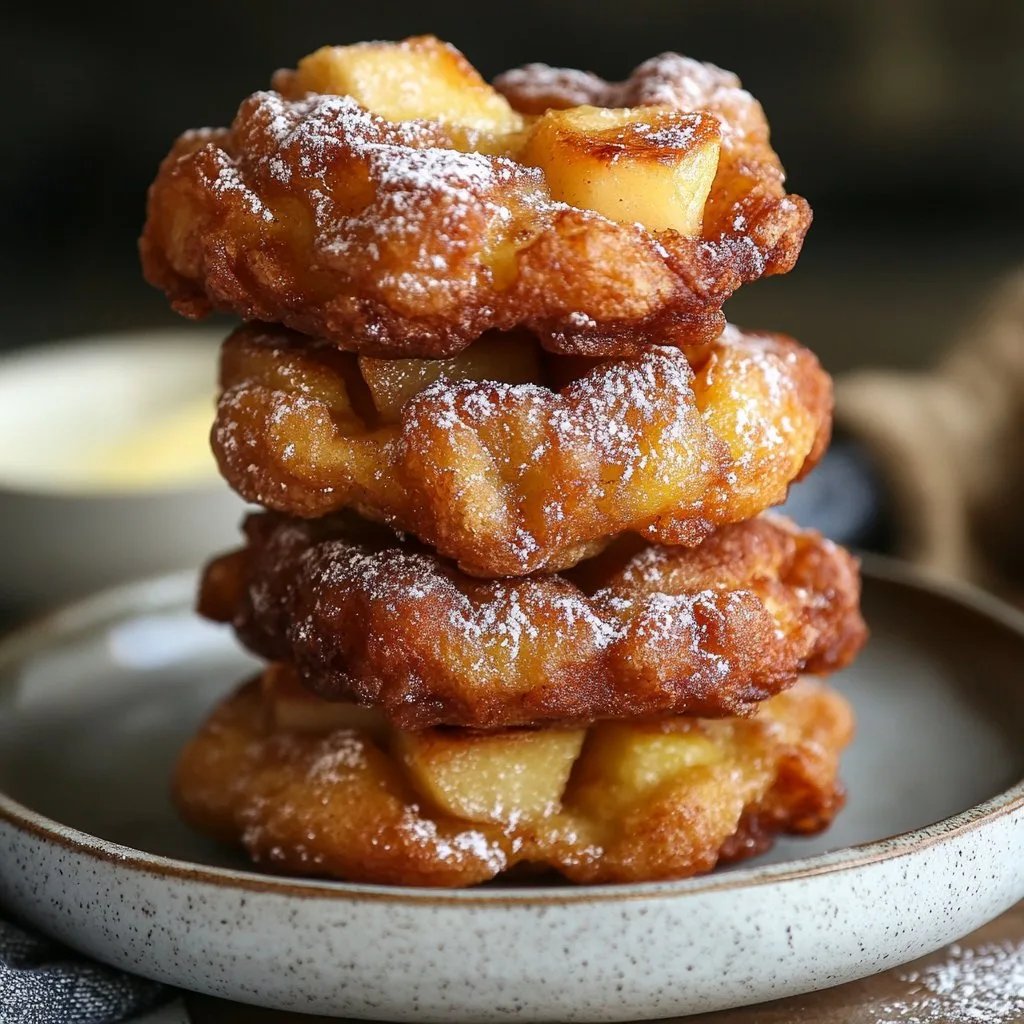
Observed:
{"x":96,"y":701}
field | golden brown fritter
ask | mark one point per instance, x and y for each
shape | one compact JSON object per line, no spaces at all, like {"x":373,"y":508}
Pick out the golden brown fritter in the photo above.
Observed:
{"x":309,"y":790}
{"x":709,"y":630}
{"x":508,"y":461}
{"x":412,"y":233}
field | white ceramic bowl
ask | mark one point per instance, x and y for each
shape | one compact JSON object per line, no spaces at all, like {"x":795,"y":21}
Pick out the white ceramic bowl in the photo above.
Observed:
{"x":96,"y":702}
{"x":62,"y":538}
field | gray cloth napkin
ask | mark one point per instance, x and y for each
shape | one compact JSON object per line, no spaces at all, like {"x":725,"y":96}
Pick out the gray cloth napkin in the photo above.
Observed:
{"x":42,"y":982}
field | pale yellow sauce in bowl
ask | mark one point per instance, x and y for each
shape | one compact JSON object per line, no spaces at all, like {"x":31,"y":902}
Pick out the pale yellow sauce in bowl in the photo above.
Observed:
{"x":106,"y":472}
{"x":120,"y":414}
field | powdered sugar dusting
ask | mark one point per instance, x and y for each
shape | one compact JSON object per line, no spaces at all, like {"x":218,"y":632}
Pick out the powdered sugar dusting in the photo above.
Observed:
{"x":632,"y":425}
{"x":343,"y":754}
{"x":758,"y":409}
{"x":972,"y":986}
{"x":469,"y":844}
{"x":685,"y":84}
{"x":679,"y":135}
{"x":498,"y":629}
{"x":534,"y":85}
{"x":229,"y":180}
{"x":420,"y":183}
{"x":631,"y":419}
{"x":503,"y":615}
{"x":668,"y":80}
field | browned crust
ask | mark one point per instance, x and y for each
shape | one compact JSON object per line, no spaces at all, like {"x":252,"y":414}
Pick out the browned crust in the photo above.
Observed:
{"x":710,"y":630}
{"x":283,"y":217}
{"x":515,"y":479}
{"x":342,"y":805}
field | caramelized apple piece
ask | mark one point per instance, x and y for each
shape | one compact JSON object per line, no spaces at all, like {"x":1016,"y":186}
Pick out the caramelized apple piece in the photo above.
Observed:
{"x":501,"y":777}
{"x":624,"y":763}
{"x":643,"y":165}
{"x":417,"y":78}
{"x":512,"y":358}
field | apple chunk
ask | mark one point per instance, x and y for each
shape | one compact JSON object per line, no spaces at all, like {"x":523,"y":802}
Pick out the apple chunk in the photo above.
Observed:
{"x":513,"y":358}
{"x":624,"y":763}
{"x":643,"y":165}
{"x":417,"y":78}
{"x":498,"y":777}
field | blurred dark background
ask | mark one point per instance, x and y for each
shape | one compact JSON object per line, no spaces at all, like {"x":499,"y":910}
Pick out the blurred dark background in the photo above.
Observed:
{"x":900,"y":121}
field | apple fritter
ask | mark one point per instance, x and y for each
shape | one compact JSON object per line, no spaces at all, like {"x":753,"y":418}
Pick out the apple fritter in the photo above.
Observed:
{"x":388,"y":199}
{"x":313,"y":788}
{"x":628,"y":634}
{"x":510,"y":460}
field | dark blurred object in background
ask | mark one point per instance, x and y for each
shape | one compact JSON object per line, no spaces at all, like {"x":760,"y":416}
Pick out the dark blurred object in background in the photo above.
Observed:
{"x":901,"y":123}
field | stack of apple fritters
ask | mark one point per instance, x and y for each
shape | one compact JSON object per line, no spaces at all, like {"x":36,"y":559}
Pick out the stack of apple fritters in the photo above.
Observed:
{"x":518,"y":600}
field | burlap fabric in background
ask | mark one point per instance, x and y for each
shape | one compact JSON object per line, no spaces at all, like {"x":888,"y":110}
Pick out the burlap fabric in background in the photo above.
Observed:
{"x":949,"y":444}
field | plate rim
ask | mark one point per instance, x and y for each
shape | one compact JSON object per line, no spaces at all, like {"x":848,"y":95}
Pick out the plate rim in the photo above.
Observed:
{"x":160,"y":592}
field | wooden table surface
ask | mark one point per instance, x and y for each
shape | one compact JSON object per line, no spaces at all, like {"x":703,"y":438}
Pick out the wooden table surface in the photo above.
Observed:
{"x":893,"y":996}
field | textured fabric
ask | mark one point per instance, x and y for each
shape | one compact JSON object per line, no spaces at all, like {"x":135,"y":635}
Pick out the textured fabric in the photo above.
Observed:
{"x":949,"y":444}
{"x":41,"y":982}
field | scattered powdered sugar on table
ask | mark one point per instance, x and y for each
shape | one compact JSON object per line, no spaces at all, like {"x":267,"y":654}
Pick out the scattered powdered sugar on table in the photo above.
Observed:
{"x":972,"y":986}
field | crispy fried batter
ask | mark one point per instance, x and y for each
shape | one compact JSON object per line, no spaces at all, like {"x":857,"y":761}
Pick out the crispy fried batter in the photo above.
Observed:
{"x":638,"y":802}
{"x":399,"y":238}
{"x":480,"y":457}
{"x":709,"y":630}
